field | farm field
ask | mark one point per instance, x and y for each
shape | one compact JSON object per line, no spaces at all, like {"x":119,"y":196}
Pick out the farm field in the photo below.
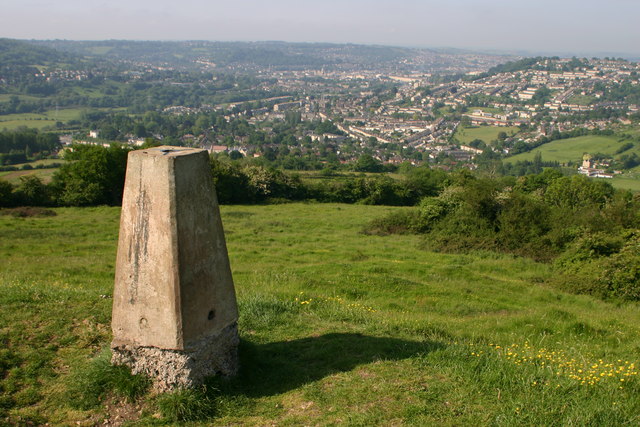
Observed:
{"x":337,"y":327}
{"x":30,"y":120}
{"x":484,"y":133}
{"x":47,"y":119}
{"x":572,"y":149}
{"x":44,"y":174}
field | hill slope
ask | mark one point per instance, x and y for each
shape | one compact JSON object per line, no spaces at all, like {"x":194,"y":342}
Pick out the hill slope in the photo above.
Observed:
{"x":571,"y":149}
{"x":337,"y":327}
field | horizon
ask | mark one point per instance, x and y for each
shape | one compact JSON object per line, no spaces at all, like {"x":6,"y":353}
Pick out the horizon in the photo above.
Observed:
{"x":446,"y":49}
{"x":569,"y":28}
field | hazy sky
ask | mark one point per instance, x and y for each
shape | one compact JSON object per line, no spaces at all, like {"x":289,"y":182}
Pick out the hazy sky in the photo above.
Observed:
{"x":563,"y":26}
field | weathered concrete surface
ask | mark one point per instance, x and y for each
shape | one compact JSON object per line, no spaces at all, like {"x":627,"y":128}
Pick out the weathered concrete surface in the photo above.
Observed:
{"x":177,"y":369}
{"x":173,"y":285}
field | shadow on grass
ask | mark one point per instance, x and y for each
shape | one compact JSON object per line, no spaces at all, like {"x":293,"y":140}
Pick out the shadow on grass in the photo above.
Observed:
{"x":273,"y":368}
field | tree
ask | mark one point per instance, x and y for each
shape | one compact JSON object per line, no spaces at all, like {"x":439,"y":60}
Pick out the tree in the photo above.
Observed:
{"x":542,"y":95}
{"x":366,"y":163}
{"x":32,"y":192}
{"x":95,"y":175}
{"x":235,"y":155}
{"x":6,"y":194}
{"x":578,"y":192}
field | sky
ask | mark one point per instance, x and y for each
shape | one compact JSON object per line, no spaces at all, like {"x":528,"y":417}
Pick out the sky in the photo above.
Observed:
{"x":580,"y":27}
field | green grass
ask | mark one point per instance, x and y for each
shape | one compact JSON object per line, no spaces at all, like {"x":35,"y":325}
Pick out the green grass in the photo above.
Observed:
{"x":572,"y":149}
{"x":337,"y":327}
{"x":6,"y":97}
{"x":64,"y":115}
{"x":30,"y":120}
{"x":581,"y":99}
{"x":49,"y":117}
{"x":484,"y":133}
{"x":627,"y":182}
{"x":46,"y":175}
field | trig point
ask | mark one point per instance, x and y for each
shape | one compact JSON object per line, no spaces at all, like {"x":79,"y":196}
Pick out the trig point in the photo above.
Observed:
{"x":174,"y":305}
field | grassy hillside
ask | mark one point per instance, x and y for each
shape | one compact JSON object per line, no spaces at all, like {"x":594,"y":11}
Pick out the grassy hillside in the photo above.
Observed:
{"x":572,"y":149}
{"x":337,"y":327}
{"x":627,"y":181}
{"x":484,"y":133}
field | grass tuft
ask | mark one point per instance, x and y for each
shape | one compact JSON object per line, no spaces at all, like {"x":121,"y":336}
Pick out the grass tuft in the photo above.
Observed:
{"x":187,"y":405}
{"x":91,"y":383}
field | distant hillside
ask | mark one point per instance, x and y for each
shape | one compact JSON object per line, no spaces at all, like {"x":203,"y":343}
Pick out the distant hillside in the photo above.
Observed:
{"x":280,"y":55}
{"x":20,"y":53}
{"x":20,"y":60}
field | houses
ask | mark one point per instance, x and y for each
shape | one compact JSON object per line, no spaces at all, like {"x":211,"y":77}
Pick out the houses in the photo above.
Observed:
{"x":589,"y":170}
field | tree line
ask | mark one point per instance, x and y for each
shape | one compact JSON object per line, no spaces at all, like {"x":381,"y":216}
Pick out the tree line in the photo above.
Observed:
{"x":24,"y":145}
{"x":94,"y":175}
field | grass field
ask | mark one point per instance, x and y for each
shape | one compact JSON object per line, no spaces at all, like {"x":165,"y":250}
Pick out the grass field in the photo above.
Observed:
{"x":627,"y":182}
{"x":581,"y":99}
{"x":46,"y":119}
{"x":6,"y":97}
{"x":64,"y":115}
{"x":572,"y":149}
{"x":337,"y":327}
{"x":30,"y":120}
{"x":45,"y":174}
{"x":484,"y":133}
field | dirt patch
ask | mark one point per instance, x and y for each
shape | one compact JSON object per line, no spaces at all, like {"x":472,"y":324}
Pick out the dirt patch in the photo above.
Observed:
{"x":117,"y":413}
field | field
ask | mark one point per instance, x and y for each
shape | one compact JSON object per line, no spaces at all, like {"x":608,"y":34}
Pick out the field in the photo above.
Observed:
{"x":5,"y":97}
{"x":30,"y":120}
{"x":571,"y":149}
{"x":44,"y":174}
{"x":581,"y":99}
{"x":484,"y":133}
{"x":337,"y":327}
{"x":627,"y":182}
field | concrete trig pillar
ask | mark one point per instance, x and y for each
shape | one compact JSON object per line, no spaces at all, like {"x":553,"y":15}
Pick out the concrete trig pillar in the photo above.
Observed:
{"x":174,"y":305}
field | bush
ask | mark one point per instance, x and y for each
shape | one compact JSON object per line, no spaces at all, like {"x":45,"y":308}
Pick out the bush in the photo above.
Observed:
{"x":32,"y":192}
{"x":402,"y":222}
{"x":523,"y":224}
{"x":602,"y":265}
{"x":6,"y":194}
{"x":621,"y":271}
{"x":94,"y":176}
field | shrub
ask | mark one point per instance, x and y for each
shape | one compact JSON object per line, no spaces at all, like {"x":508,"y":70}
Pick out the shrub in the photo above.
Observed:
{"x":402,"y":222}
{"x":621,"y":271}
{"x":32,"y":192}
{"x":523,"y":223}
{"x":6,"y":194}
{"x":94,"y":176}
{"x":602,"y":265}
